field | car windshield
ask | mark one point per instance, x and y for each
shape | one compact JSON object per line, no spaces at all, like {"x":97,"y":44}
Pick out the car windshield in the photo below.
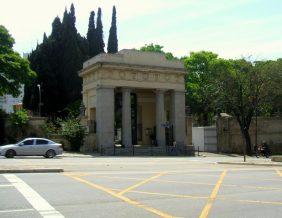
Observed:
{"x":24,"y":140}
{"x":20,"y":142}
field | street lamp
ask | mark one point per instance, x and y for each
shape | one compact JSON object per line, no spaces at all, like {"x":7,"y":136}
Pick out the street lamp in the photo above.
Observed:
{"x":39,"y":105}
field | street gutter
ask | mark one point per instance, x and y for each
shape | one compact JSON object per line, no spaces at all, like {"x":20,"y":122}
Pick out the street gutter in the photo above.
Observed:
{"x":252,"y":164}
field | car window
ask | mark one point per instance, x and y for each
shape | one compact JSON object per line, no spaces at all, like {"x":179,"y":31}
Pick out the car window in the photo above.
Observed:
{"x":41,"y":142}
{"x":28,"y":142}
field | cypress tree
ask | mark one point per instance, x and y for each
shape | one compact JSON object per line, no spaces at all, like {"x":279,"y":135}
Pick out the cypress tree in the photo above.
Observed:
{"x":99,"y":33}
{"x":113,"y":41}
{"x":57,"y":60}
{"x":44,"y":38}
{"x":56,"y":33}
{"x":72,"y":60}
{"x":91,"y":35}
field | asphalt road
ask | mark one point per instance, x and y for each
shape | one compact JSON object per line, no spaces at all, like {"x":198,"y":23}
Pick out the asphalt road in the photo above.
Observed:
{"x":140,"y":187}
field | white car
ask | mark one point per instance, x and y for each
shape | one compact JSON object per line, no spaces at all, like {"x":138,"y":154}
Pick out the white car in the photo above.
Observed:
{"x":32,"y":147}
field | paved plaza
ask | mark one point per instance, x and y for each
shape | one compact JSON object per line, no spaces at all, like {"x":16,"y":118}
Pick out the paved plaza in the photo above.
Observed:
{"x":140,"y":187}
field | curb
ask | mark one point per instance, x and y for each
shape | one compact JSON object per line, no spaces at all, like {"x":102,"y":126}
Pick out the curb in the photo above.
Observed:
{"x":32,"y":171}
{"x":79,"y":156}
{"x":252,"y":164}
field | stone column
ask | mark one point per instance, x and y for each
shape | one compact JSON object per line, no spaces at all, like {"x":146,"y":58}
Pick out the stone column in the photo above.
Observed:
{"x":126,"y":118}
{"x":160,"y":117}
{"x":178,"y":117}
{"x":105,"y":117}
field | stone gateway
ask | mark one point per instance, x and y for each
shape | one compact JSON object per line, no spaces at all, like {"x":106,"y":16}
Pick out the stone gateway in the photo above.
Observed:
{"x":134,"y":98}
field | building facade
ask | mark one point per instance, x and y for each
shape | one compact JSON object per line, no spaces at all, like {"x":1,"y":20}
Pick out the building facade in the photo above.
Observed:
{"x":8,"y":103}
{"x":134,"y":98}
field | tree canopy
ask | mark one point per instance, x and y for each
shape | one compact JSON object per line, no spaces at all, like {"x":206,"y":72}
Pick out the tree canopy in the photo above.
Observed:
{"x":14,"y":70}
{"x":238,"y":87}
{"x":201,"y":85}
{"x":57,"y":61}
{"x":157,"y":48}
{"x":113,"y":41}
{"x":99,"y":33}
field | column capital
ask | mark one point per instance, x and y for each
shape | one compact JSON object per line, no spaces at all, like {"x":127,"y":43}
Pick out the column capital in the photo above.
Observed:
{"x":160,"y":90}
{"x":177,"y":92}
{"x":99,"y":86}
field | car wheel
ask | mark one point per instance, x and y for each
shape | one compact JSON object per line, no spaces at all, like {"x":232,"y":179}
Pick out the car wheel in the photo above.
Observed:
{"x":10,"y":154}
{"x":50,"y":154}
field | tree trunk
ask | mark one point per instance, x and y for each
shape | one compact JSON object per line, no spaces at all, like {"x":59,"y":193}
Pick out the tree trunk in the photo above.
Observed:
{"x":205,"y":119}
{"x":247,"y":140}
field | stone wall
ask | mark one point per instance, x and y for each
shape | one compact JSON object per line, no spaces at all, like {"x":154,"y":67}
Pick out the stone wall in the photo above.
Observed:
{"x":33,"y":129}
{"x":230,"y":139}
{"x":35,"y":126}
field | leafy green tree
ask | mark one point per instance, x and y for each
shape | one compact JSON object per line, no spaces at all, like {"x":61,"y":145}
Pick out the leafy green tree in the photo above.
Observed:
{"x":99,"y":33}
{"x":113,"y":41}
{"x":159,"y":49}
{"x":14,"y":70}
{"x":201,"y":85}
{"x":270,"y":97}
{"x":152,"y":48}
{"x":19,"y":120}
{"x":243,"y":87}
{"x":238,"y":87}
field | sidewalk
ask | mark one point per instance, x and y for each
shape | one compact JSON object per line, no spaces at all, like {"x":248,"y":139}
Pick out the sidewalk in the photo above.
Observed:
{"x":237,"y":159}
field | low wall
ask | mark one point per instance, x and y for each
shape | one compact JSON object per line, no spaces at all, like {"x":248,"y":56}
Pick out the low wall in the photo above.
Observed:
{"x":32,"y":129}
{"x":35,"y":126}
{"x":230,"y":138}
{"x":89,"y":143}
{"x":60,"y":139}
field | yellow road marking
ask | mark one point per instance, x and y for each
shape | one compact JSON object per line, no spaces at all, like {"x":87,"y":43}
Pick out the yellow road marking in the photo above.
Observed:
{"x":279,"y":173}
{"x":123,"y":198}
{"x":206,"y":210}
{"x":141,"y":183}
{"x":193,"y":183}
{"x":167,"y":194}
{"x":258,"y":202}
{"x":205,"y":197}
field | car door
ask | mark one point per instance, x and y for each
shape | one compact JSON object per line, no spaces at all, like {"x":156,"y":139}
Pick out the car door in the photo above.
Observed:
{"x":41,"y":146}
{"x":26,"y":147}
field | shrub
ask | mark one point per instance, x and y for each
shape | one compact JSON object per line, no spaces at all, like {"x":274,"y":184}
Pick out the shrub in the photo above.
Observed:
{"x":52,"y":127}
{"x":3,"y":116}
{"x":18,"y":120}
{"x":73,"y":131}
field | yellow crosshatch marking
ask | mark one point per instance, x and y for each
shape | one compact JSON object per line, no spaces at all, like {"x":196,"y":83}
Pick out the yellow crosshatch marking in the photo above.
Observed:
{"x":189,"y":183}
{"x":121,"y":197}
{"x":206,"y":210}
{"x":141,"y":183}
{"x":119,"y":193}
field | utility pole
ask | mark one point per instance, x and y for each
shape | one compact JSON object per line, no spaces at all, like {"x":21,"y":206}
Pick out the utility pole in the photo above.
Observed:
{"x":256,"y":110}
{"x":245,"y":147}
{"x":39,"y":105}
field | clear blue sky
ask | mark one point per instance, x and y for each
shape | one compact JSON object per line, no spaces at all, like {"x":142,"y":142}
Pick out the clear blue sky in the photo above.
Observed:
{"x":231,"y":28}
